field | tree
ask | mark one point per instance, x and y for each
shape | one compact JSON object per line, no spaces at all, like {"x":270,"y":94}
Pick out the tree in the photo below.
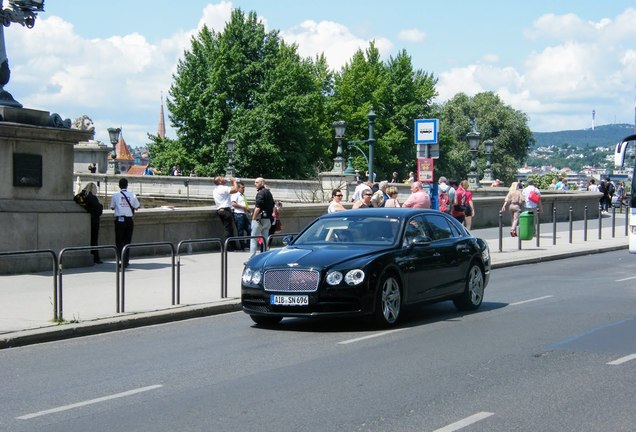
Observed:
{"x":398,"y":95}
{"x":247,"y":84}
{"x":507,"y":127}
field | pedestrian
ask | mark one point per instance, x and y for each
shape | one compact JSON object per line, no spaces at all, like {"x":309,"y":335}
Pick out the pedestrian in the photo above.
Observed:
{"x":392,"y":201}
{"x":93,"y":206}
{"x":240,"y":211}
{"x":460,"y":202}
{"x":124,"y":204}
{"x":445,"y":195}
{"x":394,"y":178}
{"x":262,"y":215}
{"x":380,"y":196}
{"x":277,"y":225}
{"x":364,"y":201}
{"x":592,"y":186}
{"x":514,"y":201}
{"x":419,"y":197}
{"x":223,"y":200}
{"x":92,"y":168}
{"x":469,"y":212}
{"x":411,"y":178}
{"x":362,"y":187}
{"x":532,"y":197}
{"x":336,"y":201}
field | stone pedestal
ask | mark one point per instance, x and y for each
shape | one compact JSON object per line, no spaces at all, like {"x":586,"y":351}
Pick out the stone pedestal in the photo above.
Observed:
{"x":88,"y":152}
{"x":331,"y":180}
{"x":37,"y":210}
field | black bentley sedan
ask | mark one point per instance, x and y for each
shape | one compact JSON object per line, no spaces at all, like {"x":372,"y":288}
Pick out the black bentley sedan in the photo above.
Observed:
{"x":367,"y":262}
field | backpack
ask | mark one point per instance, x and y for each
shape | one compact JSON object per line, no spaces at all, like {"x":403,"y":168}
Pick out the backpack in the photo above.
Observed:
{"x":610,"y":188}
{"x":80,"y":198}
{"x":444,"y":201}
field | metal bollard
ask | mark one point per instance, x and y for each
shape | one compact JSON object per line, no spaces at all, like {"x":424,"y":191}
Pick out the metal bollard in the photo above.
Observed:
{"x":627,"y":213}
{"x":570,"y":216}
{"x":538,"y":228}
{"x":613,"y":222}
{"x":585,"y":224}
{"x":554,"y":225}
{"x":600,"y":222}
{"x":500,"y":232}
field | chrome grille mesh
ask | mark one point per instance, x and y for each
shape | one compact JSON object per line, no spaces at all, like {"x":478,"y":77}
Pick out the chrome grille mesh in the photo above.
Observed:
{"x":292,"y":280}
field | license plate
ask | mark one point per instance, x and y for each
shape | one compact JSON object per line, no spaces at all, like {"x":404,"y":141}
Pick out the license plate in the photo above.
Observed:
{"x":289,"y":300}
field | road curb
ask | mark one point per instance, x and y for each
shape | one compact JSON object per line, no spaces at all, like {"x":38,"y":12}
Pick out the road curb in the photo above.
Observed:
{"x":105,"y":325}
{"x":557,"y":256}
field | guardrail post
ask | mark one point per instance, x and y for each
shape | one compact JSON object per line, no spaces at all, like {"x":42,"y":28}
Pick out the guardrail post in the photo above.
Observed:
{"x":613,"y":222}
{"x":500,"y":231}
{"x":538,"y":230}
{"x":600,"y":222}
{"x":571,"y":222}
{"x":554,"y":225}
{"x":585,"y":224}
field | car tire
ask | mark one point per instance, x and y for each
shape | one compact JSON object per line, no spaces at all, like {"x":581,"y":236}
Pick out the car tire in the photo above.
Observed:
{"x":265,"y":321}
{"x":473,"y":294}
{"x":389,"y":301}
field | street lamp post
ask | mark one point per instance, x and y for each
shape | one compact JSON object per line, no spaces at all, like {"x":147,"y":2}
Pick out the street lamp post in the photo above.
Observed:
{"x":113,"y":134}
{"x":371,"y":116}
{"x":489,"y":146}
{"x":229,"y":170}
{"x":473,"y":146}
{"x":338,"y":161}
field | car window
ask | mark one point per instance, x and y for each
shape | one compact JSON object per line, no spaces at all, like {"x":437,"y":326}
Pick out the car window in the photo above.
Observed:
{"x":365,"y":230}
{"x":415,"y":227}
{"x":439,"y":227}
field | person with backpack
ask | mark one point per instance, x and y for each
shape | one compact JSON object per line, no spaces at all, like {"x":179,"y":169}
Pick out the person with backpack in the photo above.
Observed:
{"x":459,"y":204}
{"x":445,"y":196}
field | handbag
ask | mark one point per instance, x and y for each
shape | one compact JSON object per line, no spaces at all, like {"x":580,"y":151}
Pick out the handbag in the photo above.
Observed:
{"x":534,"y":197}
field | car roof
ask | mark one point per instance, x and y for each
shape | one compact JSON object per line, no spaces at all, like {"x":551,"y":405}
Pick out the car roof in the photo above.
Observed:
{"x":400,"y":212}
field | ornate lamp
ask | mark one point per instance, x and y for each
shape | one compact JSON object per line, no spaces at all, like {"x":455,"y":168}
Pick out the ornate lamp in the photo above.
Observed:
{"x":338,"y":161}
{"x":489,"y":147}
{"x":473,"y":146}
{"x":229,"y":170}
{"x":113,"y":134}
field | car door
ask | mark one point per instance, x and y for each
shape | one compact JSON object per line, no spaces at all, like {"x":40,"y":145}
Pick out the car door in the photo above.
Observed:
{"x":454,"y":254}
{"x":418,"y":262}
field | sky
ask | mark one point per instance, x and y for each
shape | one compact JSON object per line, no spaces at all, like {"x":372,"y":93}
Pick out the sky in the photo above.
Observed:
{"x":556,"y":61}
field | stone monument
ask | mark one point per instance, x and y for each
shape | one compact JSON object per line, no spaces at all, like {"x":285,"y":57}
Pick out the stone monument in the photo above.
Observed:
{"x":37,"y":210}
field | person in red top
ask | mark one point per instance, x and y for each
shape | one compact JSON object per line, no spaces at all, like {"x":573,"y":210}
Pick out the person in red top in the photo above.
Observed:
{"x":460,"y":203}
{"x":419,"y":197}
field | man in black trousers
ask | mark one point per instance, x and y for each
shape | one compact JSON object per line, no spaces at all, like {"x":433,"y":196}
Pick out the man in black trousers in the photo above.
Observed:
{"x":124,"y":203}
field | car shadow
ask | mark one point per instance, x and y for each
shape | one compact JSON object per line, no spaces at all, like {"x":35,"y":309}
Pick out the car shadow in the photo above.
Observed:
{"x":412,"y":316}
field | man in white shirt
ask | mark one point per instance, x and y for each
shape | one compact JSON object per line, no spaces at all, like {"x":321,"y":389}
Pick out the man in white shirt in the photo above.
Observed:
{"x":240,"y":208}
{"x":529,"y":204}
{"x":124,"y":204}
{"x":223,"y":201}
{"x":357,"y":193}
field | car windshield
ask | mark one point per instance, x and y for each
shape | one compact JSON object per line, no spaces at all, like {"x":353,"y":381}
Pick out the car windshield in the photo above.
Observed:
{"x":371,"y":230}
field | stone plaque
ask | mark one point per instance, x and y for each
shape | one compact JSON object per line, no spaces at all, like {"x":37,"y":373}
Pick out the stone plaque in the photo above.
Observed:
{"x":27,"y":170}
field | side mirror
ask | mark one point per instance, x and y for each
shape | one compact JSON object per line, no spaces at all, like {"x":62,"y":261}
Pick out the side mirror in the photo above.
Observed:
{"x":287,"y":239}
{"x":422,"y":240}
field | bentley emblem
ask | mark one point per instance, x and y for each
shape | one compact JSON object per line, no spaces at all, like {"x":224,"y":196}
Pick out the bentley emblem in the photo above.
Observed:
{"x":293,"y":264}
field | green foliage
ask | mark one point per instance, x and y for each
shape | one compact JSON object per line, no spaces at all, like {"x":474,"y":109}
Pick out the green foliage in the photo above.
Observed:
{"x":543,"y":181}
{"x":164,"y":153}
{"x":501,"y":123}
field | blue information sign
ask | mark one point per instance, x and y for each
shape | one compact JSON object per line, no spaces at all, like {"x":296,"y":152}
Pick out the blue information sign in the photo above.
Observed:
{"x":426,"y":131}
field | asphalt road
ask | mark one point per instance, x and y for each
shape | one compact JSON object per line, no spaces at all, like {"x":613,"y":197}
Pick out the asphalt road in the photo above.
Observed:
{"x":552,"y":349}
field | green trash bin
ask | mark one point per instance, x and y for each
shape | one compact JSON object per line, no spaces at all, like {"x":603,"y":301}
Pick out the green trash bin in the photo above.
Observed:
{"x":526,"y":225}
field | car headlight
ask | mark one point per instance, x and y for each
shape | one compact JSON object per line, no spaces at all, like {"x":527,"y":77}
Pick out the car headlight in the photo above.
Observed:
{"x":485,"y":254}
{"x":252,"y":276}
{"x":354,"y":277}
{"x":334,"y":277}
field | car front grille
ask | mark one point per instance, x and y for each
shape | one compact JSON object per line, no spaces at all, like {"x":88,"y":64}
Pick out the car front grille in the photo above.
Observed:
{"x":292,"y":280}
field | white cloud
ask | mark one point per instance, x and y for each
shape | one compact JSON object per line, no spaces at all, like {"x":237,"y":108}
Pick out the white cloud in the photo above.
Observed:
{"x":412,"y":35}
{"x":333,"y":39}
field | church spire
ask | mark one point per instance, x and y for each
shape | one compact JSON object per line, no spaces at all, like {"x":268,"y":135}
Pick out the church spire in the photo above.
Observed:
{"x":161,"y":128}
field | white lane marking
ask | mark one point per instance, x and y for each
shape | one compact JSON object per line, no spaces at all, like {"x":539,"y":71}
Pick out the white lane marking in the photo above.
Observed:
{"x":531,"y":300}
{"x":88,"y":402}
{"x":625,"y":279}
{"x":465,"y":422}
{"x":622,"y":360}
{"x":370,"y":336}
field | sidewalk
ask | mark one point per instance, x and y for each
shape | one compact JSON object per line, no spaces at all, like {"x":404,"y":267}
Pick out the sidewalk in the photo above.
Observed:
{"x":90,"y":303}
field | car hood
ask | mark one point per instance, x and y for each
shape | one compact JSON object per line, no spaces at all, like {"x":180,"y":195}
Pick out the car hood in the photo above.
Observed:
{"x":316,"y":256}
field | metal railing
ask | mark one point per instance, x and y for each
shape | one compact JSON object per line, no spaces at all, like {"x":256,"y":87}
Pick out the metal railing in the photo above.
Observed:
{"x":55,"y":267}
{"x":60,"y":273}
{"x":191,"y":242}
{"x":124,"y":253}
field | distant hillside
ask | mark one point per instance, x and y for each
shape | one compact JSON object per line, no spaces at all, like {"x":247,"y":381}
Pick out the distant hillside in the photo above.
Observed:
{"x":603,"y":136}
